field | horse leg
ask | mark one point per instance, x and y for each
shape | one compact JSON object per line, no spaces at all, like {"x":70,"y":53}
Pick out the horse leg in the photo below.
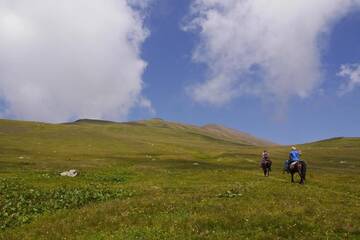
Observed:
{"x":292,"y":177}
{"x":302,"y":181}
{"x":300,"y":171}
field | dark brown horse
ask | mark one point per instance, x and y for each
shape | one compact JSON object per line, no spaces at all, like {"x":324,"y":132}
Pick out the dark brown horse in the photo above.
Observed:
{"x":266,"y":166}
{"x":300,"y":168}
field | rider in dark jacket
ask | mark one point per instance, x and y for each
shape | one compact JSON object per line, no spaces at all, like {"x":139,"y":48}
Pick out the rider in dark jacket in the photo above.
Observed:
{"x":265,"y":156}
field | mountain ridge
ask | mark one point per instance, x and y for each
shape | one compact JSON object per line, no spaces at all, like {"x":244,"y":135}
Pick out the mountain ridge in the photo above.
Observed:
{"x":214,"y":131}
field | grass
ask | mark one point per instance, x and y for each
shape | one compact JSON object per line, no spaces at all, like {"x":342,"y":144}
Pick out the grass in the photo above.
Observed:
{"x":159,"y":180}
{"x":21,"y":203}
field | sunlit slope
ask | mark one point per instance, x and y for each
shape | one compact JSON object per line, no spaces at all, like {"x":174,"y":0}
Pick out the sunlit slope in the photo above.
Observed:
{"x":228,"y":133}
{"x":345,"y":142}
{"x":31,"y":142}
{"x":212,"y":131}
{"x":339,"y":153}
{"x":129,"y":136}
{"x":162,"y":180}
{"x":34,"y":141}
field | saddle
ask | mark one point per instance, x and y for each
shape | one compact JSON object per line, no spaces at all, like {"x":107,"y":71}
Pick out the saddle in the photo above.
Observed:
{"x":292,"y":164}
{"x":264,"y":161}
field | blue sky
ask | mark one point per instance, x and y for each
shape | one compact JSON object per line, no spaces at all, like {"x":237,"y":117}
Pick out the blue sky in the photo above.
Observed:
{"x":277,"y":77}
{"x":171,"y":70}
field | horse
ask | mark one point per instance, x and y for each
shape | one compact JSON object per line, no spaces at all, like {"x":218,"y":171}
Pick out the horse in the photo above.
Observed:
{"x":266,"y":166}
{"x":300,"y":168}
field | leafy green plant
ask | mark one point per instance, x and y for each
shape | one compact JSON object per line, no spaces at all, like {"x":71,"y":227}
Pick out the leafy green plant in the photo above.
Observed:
{"x":20,"y":203}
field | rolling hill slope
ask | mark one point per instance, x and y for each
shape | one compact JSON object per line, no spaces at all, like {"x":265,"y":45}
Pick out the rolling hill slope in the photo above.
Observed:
{"x":211,"y":130}
{"x":156,"y":179}
{"x":228,"y":133}
{"x":105,"y":139}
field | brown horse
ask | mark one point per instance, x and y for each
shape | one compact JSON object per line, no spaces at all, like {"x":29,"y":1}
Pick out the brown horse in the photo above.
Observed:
{"x":300,"y":168}
{"x":266,"y":166}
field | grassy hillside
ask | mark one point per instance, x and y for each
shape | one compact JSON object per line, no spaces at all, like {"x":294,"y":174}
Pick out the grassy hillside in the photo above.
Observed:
{"x":162,"y":180}
{"x":227,"y":133}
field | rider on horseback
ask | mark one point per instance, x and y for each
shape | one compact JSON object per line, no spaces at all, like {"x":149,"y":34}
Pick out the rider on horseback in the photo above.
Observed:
{"x":294,"y":156}
{"x":265,"y":162}
{"x":265,"y":157}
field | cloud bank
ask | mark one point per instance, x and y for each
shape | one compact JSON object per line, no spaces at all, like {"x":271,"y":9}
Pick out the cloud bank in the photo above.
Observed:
{"x":68,"y":59}
{"x":351,"y":74}
{"x":261,"y":47}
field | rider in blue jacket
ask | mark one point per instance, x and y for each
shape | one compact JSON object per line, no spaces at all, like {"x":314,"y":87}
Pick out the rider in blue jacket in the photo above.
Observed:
{"x":294,"y":156}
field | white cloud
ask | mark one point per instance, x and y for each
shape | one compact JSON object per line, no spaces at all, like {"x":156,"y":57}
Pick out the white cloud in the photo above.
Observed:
{"x":351,"y":73}
{"x":141,"y":4}
{"x":145,"y":103}
{"x":261,"y":47}
{"x":71,"y":59}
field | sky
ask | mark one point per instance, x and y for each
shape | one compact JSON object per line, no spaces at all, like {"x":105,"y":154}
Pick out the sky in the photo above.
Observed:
{"x":287,"y":71}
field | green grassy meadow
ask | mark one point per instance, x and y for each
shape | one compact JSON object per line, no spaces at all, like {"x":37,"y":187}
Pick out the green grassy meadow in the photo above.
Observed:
{"x":160,"y":180}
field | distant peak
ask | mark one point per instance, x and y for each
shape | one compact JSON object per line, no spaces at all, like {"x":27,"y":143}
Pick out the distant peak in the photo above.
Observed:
{"x":157,"y":119}
{"x":235,"y":134}
{"x":88,"y":120}
{"x":212,"y":125}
